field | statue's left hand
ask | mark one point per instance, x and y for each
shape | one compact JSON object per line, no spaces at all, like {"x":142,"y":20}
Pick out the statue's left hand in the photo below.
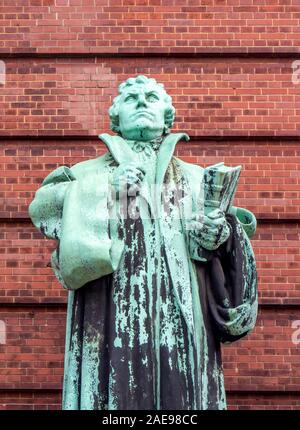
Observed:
{"x":211,"y":230}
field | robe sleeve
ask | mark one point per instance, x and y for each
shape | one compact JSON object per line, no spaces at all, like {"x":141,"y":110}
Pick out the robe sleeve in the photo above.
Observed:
{"x":46,"y":209}
{"x":231,"y":283}
{"x":76,"y":213}
{"x":246,"y":219}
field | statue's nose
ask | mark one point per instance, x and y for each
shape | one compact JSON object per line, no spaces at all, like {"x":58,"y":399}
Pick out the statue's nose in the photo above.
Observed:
{"x":141,"y":100}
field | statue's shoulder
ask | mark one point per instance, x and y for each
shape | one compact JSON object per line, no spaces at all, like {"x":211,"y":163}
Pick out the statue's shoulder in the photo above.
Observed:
{"x":90,"y":166}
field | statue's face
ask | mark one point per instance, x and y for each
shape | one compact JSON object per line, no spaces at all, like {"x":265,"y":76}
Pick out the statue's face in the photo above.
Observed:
{"x":142,"y":112}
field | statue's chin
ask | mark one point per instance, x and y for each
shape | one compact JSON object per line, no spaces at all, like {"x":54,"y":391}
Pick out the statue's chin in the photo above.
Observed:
{"x":141,"y":133}
{"x":141,"y":128}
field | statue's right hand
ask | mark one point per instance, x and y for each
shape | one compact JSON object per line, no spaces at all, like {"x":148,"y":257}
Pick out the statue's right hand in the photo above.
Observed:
{"x":127,"y":178}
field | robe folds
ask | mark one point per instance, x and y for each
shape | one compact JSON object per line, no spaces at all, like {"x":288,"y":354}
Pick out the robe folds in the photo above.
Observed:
{"x":148,"y":307}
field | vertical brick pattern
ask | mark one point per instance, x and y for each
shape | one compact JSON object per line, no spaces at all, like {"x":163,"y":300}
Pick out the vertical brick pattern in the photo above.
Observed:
{"x":236,"y":92}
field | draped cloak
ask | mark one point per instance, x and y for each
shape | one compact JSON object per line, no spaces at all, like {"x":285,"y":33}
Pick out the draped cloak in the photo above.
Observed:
{"x":148,"y":307}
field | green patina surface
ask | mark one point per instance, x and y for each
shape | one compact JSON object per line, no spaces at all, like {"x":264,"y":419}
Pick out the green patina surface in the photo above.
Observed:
{"x":146,"y":324}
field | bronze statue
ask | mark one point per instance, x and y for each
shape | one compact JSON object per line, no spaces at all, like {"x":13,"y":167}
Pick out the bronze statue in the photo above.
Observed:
{"x":157,"y":261}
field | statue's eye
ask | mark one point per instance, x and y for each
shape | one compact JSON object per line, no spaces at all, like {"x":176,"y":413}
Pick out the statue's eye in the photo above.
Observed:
{"x":152,"y":98}
{"x":130,"y":98}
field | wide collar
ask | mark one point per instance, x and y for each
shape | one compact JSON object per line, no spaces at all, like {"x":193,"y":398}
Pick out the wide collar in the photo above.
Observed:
{"x":122,"y":152}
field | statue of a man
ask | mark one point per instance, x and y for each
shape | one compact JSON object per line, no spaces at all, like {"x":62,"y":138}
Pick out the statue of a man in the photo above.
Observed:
{"x":155,"y":283}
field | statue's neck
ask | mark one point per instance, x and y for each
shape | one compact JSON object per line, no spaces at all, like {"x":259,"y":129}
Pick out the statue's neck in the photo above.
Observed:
{"x":145,"y":146}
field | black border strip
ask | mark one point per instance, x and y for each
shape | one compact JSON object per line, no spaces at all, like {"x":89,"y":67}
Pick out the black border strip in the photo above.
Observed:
{"x":62,"y":305}
{"x":260,"y":220}
{"x":193,"y":139}
{"x":158,"y":53}
{"x":257,"y":392}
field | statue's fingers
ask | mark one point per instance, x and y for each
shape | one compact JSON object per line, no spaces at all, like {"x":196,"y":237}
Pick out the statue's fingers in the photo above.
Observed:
{"x":132,"y":177}
{"x":225,"y":233}
{"x":207,"y":244}
{"x":136,"y":168}
{"x":194,"y":225}
{"x":141,"y":169}
{"x":198,"y":218}
{"x":140,"y":174}
{"x":190,"y":226}
{"x":216,"y":213}
{"x":137,"y":173}
{"x":215,"y":222}
{"x":195,"y":229}
{"x":131,"y":171}
{"x":208,"y":222}
{"x":209,"y":235}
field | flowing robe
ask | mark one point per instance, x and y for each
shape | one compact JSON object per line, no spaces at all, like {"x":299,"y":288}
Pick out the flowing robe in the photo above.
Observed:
{"x":148,"y":308}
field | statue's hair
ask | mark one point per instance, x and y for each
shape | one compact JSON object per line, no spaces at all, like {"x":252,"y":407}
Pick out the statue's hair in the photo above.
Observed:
{"x":114,"y":108}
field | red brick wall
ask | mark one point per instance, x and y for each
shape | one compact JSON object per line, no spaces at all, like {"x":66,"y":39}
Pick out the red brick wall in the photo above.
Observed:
{"x":213,"y":96}
{"x":228,"y":66}
{"x":159,"y":26}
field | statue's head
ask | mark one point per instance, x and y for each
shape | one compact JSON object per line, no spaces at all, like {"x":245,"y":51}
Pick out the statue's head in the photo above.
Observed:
{"x":142,"y":111}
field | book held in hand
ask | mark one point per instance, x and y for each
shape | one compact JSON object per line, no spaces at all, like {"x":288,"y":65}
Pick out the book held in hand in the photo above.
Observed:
{"x":220,"y":184}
